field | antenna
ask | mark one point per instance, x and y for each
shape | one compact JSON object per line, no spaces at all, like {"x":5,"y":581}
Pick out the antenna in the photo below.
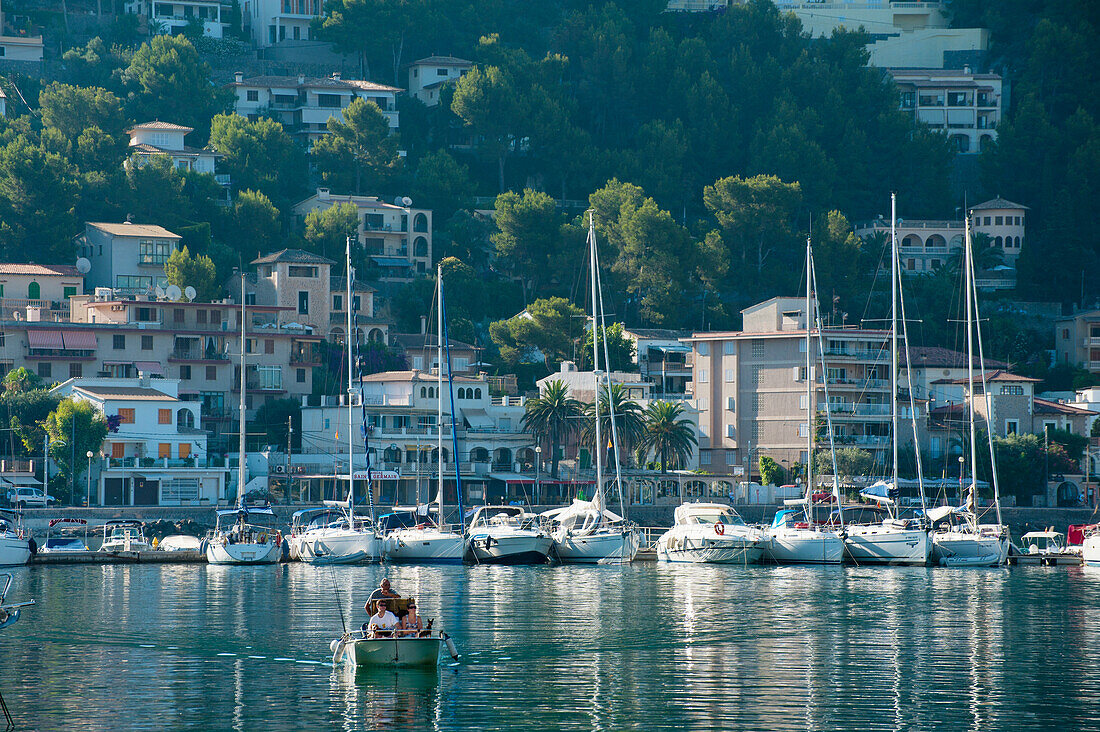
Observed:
{"x":83,"y":265}
{"x":173,"y":292}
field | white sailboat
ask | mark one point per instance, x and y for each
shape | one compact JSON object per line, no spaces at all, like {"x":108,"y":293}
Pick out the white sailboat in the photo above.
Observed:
{"x":798,"y":539}
{"x":431,"y":541}
{"x":349,"y":540}
{"x":881,"y":537}
{"x":586,"y":532}
{"x":15,"y":548}
{"x":965,"y":541}
{"x":234,"y":540}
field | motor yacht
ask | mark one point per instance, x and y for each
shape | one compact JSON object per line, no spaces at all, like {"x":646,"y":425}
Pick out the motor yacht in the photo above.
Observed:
{"x":65,"y":535}
{"x":712,"y":533}
{"x":506,"y":535}
{"x":124,"y":535}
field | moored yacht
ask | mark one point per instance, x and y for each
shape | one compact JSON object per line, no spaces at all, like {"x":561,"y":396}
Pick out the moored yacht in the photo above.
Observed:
{"x":873,"y":536}
{"x":958,"y":540}
{"x":506,"y":535}
{"x":65,"y":535}
{"x":14,"y":545}
{"x":306,"y":520}
{"x":1090,"y":548}
{"x":712,"y":533}
{"x":124,"y":535}
{"x":794,"y":540}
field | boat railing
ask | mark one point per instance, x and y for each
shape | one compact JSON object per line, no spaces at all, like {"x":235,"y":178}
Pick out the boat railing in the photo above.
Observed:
{"x":649,"y":536}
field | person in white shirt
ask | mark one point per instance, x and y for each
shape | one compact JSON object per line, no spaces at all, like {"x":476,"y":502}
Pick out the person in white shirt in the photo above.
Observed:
{"x":383,"y":622}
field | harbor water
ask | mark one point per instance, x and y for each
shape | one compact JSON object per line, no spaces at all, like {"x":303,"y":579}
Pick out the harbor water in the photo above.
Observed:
{"x":645,"y":646}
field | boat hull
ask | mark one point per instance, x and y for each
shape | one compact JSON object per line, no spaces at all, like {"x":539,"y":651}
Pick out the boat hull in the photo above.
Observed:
{"x":805,"y":546}
{"x":878,"y":544}
{"x":1090,"y":550}
{"x":711,"y":552}
{"x":425,"y":547}
{"x":340,"y":547}
{"x":517,"y":548}
{"x":967,"y":549}
{"x":393,"y":651}
{"x":219,"y":553}
{"x":597,"y":547}
{"x":14,"y":551}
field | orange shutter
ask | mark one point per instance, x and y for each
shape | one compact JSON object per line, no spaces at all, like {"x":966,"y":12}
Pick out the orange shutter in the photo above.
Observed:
{"x":165,"y":450}
{"x":185,"y":449}
{"x":118,"y":450}
{"x":164,"y":416}
{"x":126,"y":416}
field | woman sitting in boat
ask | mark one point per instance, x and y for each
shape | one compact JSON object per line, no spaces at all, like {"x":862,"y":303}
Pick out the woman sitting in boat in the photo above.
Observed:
{"x":411,"y":625}
{"x":383,"y":623}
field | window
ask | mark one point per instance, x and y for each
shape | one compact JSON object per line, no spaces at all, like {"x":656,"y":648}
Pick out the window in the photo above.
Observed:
{"x":1065,"y":333}
{"x":704,"y":457}
{"x":271,"y":377}
{"x":118,"y":450}
{"x":998,"y":220}
{"x":703,"y":348}
{"x":299,"y":271}
{"x":45,"y":370}
{"x":146,"y":315}
{"x":303,"y":302}
{"x":126,"y":415}
{"x":147,"y":343}
{"x":164,"y":416}
{"x":253,"y":95}
{"x":1012,"y":389}
{"x":300,"y":376}
{"x":178,"y":315}
{"x":200,"y":317}
{"x":75,"y":370}
{"x":328,"y":101}
{"x":1012,"y":426}
{"x":269,"y":346}
{"x":185,"y":372}
{"x":337,"y":302}
{"x":66,"y":293}
{"x":211,"y":373}
{"x":164,"y":450}
{"x":702,"y":376}
{"x":34,"y":291}
{"x":154,"y":251}
{"x":729,"y":375}
{"x":118,"y":342}
{"x":908,"y":99}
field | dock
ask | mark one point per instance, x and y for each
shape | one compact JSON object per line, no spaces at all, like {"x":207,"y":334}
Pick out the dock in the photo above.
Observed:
{"x":1046,"y":560}
{"x":153,"y":557}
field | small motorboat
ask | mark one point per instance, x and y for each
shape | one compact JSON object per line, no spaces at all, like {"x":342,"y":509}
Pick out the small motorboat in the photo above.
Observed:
{"x":1047,"y":548}
{"x":124,"y":535}
{"x":179,"y":543}
{"x":392,"y":648}
{"x":1090,"y":548}
{"x":65,"y":535}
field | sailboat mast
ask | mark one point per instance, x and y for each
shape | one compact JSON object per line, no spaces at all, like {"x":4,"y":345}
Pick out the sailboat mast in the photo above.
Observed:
{"x":810,"y":406}
{"x":351,"y":413}
{"x":439,"y":385}
{"x":894,"y":274}
{"x":596,"y":357}
{"x":970,"y":356}
{"x":244,"y":385}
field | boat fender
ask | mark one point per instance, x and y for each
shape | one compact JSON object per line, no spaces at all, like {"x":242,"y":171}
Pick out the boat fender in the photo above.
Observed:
{"x":338,"y":650}
{"x":450,"y":646}
{"x":719,"y":528}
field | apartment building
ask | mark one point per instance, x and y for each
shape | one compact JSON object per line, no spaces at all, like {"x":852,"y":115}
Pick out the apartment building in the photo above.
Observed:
{"x":158,"y":456}
{"x":396,"y":236}
{"x":927,"y":244}
{"x":127,"y":258}
{"x":304,"y":104}
{"x":662,"y":359}
{"x":274,"y":22}
{"x":38,"y":292}
{"x":1077,"y":340}
{"x":171,"y":18}
{"x":963,"y":105}
{"x":422,"y":352}
{"x":151,"y":139}
{"x":314,"y":289}
{"x":750,"y":388}
{"x":428,"y":76}
{"x":197,"y":344}
{"x":936,"y":374}
{"x":581,"y":385}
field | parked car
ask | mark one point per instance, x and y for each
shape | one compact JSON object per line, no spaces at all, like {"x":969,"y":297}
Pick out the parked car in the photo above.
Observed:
{"x":27,"y":497}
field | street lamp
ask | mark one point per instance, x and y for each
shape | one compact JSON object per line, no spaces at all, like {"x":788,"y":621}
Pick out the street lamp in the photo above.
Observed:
{"x":538,"y":467}
{"x":88,"y":499}
{"x":961,"y":461}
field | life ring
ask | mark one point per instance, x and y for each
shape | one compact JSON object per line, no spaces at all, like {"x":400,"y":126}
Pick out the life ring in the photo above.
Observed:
{"x":719,"y":528}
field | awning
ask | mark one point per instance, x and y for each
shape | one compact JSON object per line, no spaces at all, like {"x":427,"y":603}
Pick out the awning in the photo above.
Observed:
{"x":670,"y":349}
{"x":477,"y":418}
{"x":77,"y":339}
{"x":20,"y":479}
{"x":44,"y":339}
{"x":513,"y":478}
{"x":149,"y":367}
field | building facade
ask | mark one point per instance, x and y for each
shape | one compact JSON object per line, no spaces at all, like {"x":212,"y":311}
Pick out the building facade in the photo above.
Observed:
{"x":1077,"y":340}
{"x":151,"y":139}
{"x":171,"y":18}
{"x":428,"y":76}
{"x":38,"y":292}
{"x":662,"y":359}
{"x":304,"y":104}
{"x":126,"y":257}
{"x":963,"y":105}
{"x":272,"y":22}
{"x":397,"y":238}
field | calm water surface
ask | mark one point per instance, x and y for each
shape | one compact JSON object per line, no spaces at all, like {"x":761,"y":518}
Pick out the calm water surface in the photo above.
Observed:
{"x":647,"y":646}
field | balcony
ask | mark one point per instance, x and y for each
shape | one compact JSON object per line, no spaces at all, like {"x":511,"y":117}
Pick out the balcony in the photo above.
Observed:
{"x":869,"y":354}
{"x":383,"y":228}
{"x":200,"y":463}
{"x":74,"y":354}
{"x":49,"y":310}
{"x":849,"y":409}
{"x":196,"y":354}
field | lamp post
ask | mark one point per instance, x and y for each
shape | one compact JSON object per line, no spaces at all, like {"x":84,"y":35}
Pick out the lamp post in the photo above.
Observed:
{"x":88,"y":499}
{"x":962,"y":460}
{"x":538,"y":475}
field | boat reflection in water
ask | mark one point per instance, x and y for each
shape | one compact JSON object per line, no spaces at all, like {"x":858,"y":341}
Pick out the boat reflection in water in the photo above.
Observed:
{"x":393,"y":698}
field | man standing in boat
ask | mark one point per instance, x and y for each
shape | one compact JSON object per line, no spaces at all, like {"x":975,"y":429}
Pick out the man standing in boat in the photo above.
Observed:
{"x":383,"y":592}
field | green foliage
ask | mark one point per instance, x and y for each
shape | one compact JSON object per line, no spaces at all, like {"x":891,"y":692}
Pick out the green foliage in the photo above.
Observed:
{"x":629,"y":423}
{"x":257,"y":224}
{"x":271,"y":418}
{"x":1072,"y":443}
{"x":24,"y":412}
{"x":79,"y":421}
{"x":552,"y":418}
{"x":620,"y":349}
{"x":487,"y":102}
{"x":72,"y":109}
{"x":547,"y":326}
{"x":529,"y":235}
{"x":850,"y":462}
{"x":259,"y":155}
{"x":327,"y":230}
{"x":360,"y":149}
{"x":21,"y":380}
{"x":771,"y":472}
{"x":441,"y":184}
{"x":668,"y":434}
{"x":199,"y":272}
{"x":38,"y":193}
{"x":167,"y":80}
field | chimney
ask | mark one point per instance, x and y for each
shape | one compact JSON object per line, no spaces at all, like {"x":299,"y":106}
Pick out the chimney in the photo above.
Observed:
{"x":322,"y":194}
{"x":301,"y":79}
{"x":336,"y":76}
{"x":238,"y":76}
{"x":966,"y":69}
{"x":423,"y":324}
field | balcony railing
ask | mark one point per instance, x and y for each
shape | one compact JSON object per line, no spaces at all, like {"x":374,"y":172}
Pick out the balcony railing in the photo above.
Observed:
{"x":196,"y":354}
{"x":856,"y":410}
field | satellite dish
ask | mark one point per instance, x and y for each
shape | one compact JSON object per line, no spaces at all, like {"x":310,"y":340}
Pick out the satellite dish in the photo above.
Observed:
{"x":83,"y":265}
{"x":173,"y":292}
{"x":397,"y":201}
{"x":190,"y":292}
{"x":406,"y":201}
{"x":159,"y":291}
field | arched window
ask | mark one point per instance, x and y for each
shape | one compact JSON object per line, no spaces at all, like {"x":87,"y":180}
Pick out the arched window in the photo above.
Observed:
{"x":935,"y":242}
{"x":392,"y":455}
{"x":34,"y":291}
{"x":420,"y":247}
{"x":912,"y":241}
{"x":1017,"y":242}
{"x":479,"y":455}
{"x":462,"y":394}
{"x":423,"y":393}
{"x":185,"y":418}
{"x":420,"y":222}
{"x":376,"y":335}
{"x":998,"y":242}
{"x":477,"y":393}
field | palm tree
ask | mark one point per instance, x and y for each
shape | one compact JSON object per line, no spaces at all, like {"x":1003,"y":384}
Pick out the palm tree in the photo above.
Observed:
{"x":668,"y":434}
{"x":629,"y":420}
{"x":550,"y":418}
